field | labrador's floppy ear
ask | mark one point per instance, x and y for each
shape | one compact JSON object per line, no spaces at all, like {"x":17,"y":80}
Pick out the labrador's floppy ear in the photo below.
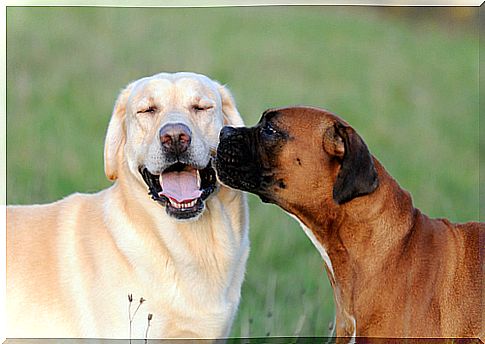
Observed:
{"x":357,"y":175}
{"x":115,"y":136}
{"x":231,"y":115}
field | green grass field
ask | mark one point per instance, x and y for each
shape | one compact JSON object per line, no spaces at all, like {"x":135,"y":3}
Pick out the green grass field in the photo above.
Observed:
{"x":410,"y":88}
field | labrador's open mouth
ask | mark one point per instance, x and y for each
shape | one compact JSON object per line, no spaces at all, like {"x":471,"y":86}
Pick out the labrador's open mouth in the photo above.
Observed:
{"x":181,"y":188}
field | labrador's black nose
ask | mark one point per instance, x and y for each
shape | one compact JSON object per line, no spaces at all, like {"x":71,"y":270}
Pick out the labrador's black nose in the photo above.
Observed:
{"x":175,"y":137}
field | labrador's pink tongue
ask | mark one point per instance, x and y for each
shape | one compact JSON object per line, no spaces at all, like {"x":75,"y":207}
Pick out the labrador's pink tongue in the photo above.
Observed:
{"x":181,"y":186}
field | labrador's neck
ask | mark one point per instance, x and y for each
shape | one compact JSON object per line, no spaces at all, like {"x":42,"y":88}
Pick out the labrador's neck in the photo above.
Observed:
{"x":215,"y":236}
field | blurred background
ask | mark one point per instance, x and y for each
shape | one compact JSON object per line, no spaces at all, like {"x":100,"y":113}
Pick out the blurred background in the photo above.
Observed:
{"x":405,"y":78}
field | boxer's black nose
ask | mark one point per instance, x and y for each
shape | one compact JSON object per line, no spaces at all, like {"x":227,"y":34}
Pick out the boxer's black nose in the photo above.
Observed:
{"x":175,"y":137}
{"x":226,"y":132}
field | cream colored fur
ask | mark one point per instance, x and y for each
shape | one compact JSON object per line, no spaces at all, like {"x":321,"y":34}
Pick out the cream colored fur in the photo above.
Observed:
{"x":71,"y":264}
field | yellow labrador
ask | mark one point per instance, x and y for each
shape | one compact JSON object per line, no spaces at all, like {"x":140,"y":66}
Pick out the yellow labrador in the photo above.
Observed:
{"x":165,"y":230}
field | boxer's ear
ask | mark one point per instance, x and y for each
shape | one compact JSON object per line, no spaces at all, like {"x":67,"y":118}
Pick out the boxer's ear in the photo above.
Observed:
{"x":357,"y":175}
{"x":333,"y":142}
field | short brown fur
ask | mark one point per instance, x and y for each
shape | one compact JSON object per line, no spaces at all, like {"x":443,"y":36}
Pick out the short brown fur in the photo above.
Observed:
{"x":396,"y":272}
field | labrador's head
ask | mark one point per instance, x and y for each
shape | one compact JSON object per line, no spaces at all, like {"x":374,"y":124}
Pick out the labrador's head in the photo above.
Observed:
{"x":165,"y":130}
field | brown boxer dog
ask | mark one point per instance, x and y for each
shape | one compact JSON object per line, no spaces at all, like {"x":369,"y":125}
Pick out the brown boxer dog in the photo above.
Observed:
{"x":394,"y":271}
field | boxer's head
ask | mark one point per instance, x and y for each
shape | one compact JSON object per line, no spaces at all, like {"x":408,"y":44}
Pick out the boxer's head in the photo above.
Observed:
{"x":297,"y":158}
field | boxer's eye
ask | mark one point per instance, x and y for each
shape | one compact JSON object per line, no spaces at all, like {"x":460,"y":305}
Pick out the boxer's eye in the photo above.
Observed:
{"x":268,"y":130}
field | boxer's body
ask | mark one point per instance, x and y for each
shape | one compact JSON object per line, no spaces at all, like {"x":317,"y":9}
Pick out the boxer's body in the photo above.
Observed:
{"x":395,"y":272}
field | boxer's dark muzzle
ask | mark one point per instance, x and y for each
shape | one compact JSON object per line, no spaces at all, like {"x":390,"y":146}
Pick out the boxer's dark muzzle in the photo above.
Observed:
{"x":247,"y":159}
{"x":237,"y":162}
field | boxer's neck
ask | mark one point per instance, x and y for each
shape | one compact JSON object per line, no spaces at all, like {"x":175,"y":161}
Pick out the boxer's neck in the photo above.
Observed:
{"x":358,"y":241}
